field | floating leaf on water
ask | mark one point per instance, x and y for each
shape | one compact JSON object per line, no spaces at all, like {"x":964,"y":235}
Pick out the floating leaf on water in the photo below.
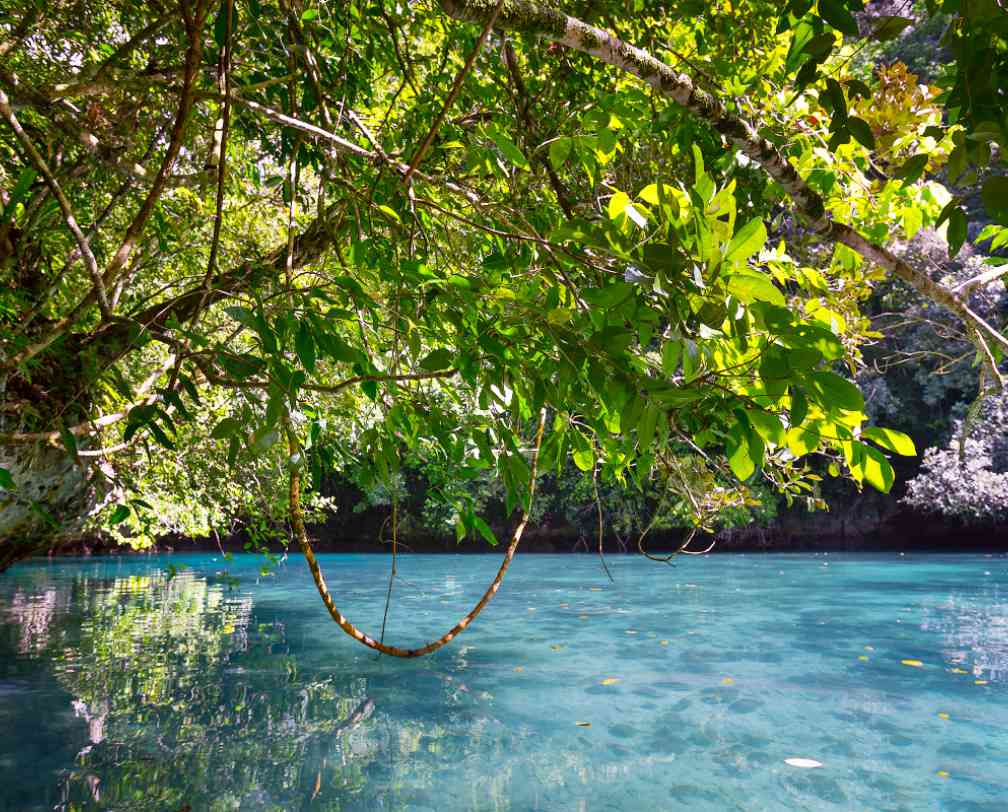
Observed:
{"x":979,"y":682}
{"x":959,"y":671}
{"x":913,"y":663}
{"x":610,"y":681}
{"x":943,"y":715}
{"x":863,"y":658}
{"x":804,"y":763}
{"x":583,"y":724}
{"x":556,"y":647}
{"x":519,"y":669}
{"x":942,"y":774}
{"x":727,"y":681}
{"x":663,"y":642}
{"x":596,"y":589}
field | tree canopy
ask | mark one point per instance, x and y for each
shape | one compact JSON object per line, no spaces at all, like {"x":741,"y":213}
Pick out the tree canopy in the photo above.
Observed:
{"x":249,"y":244}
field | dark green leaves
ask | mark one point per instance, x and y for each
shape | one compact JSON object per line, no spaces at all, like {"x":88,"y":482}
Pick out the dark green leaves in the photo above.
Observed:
{"x":912,"y":168}
{"x":836,"y":14}
{"x":862,"y":132}
{"x":228,"y":427}
{"x":437,"y":360}
{"x":888,"y":28}
{"x":304,"y":345}
{"x":995,"y":196}
{"x":6,"y":480}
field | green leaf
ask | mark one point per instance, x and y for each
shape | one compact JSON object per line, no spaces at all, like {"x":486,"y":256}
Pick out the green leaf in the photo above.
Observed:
{"x":876,"y":469}
{"x":747,"y":241}
{"x":754,"y":287}
{"x":69,"y":442}
{"x":957,"y":230}
{"x":835,"y":94}
{"x":304,"y":345}
{"x":888,"y":28}
{"x":437,"y":360}
{"x":559,"y":151}
{"x":6,"y":480}
{"x":799,"y":406}
{"x":228,"y":427}
{"x":834,"y":391}
{"x":891,"y":440}
{"x":802,"y":441}
{"x":862,"y":132}
{"x":912,"y":168}
{"x":995,"y":194}
{"x":19,"y":192}
{"x":767,"y":425}
{"x":119,"y":515}
{"x":739,"y":458}
{"x":484,"y":530}
{"x":836,"y":14}
{"x":670,"y":353}
{"x":508,"y":148}
{"x":647,"y":425}
{"x":584,"y":458}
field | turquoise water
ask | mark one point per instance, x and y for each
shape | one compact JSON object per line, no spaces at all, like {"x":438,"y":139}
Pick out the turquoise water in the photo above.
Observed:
{"x":124,"y":689}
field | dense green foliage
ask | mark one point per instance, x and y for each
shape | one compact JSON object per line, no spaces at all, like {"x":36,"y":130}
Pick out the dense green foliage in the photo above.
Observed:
{"x":358,"y":241}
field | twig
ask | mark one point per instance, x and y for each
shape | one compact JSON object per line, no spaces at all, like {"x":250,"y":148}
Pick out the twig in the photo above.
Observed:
{"x":452,"y":94}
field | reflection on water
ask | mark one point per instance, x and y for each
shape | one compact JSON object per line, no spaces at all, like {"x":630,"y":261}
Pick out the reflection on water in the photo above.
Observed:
{"x":122,"y":688}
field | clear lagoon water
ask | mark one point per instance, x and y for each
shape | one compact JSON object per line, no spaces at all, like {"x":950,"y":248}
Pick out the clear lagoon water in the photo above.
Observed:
{"x":123,"y":688}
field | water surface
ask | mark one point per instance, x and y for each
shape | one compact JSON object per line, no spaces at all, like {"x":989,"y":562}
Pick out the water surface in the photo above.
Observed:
{"x":127,"y":686}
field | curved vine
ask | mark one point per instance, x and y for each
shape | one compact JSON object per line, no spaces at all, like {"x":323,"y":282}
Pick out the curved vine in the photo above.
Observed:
{"x":298,"y":526}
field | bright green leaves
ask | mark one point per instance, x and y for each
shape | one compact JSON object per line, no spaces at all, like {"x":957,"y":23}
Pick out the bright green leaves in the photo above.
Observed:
{"x":832,"y":391}
{"x":802,"y":440}
{"x":747,"y":241}
{"x":559,"y":151}
{"x":767,"y":425}
{"x":891,"y":440}
{"x":621,"y":208}
{"x":869,"y":465}
{"x":749,"y":287}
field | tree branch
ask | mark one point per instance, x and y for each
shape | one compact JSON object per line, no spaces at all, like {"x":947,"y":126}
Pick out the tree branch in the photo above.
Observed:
{"x":85,"y":249}
{"x":549,"y":23}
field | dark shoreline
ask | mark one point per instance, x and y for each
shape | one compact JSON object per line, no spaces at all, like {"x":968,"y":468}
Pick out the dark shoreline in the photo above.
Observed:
{"x":936,"y":537}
